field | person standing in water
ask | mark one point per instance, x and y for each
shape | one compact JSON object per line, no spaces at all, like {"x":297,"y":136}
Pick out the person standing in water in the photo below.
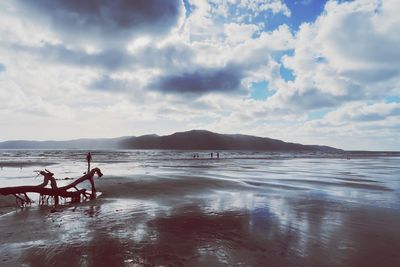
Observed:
{"x":88,"y":158}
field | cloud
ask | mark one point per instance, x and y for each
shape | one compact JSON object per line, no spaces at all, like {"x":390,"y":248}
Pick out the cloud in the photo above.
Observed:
{"x":349,"y":53}
{"x":110,"y":59}
{"x":357,"y":125}
{"x":106,"y":21}
{"x":360,"y":112}
{"x":275,"y":6}
{"x":177,"y":55}
{"x":239,"y":9}
{"x":107,"y":83}
{"x":354,"y":125}
{"x":369,"y":42}
{"x":200,"y":81}
{"x":238,"y":33}
{"x":310,"y":93}
{"x":176,"y":62}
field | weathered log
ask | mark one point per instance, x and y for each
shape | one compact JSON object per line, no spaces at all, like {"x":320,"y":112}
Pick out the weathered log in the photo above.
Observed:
{"x":41,"y":190}
{"x":89,"y":176}
{"x":20,"y":192}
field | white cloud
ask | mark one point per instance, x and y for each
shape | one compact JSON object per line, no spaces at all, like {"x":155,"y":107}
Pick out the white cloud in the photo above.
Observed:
{"x":238,"y":33}
{"x":275,"y":6}
{"x":16,"y":27}
{"x":355,"y":124}
{"x":361,"y":112}
{"x":349,"y":53}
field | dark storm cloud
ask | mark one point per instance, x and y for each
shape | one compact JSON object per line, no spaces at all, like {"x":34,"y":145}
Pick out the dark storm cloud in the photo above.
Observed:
{"x":107,"y":20}
{"x":198,"y":82}
{"x":201,"y":81}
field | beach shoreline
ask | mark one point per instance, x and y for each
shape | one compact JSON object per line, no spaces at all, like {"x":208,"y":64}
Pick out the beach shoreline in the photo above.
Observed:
{"x":235,"y":212}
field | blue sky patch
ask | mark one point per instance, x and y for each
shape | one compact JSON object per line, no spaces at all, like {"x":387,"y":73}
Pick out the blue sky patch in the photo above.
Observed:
{"x":320,"y":59}
{"x":260,"y":91}
{"x":286,"y":74}
{"x":303,"y":11}
{"x":392,"y":99}
{"x":188,"y":7}
{"x":272,"y":22}
{"x":278,"y":55}
{"x":2,"y":67}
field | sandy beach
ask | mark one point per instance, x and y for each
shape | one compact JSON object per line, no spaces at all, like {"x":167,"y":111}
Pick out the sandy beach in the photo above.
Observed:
{"x":216,"y":213}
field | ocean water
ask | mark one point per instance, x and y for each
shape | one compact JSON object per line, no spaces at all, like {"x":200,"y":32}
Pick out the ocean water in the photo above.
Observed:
{"x":164,"y":208}
{"x":366,"y":179}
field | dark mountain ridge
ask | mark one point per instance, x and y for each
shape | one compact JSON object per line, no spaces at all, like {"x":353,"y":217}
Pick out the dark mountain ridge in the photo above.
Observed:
{"x":206,"y":140}
{"x":190,"y":140}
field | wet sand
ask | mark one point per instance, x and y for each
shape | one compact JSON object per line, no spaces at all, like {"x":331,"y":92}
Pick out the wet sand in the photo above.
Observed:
{"x":197,"y":221}
{"x":7,"y":204}
{"x":162,"y":209}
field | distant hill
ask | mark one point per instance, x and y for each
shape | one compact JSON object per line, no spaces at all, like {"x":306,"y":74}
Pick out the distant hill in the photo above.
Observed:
{"x":205,"y":140}
{"x":190,"y":140}
{"x":87,"y":143}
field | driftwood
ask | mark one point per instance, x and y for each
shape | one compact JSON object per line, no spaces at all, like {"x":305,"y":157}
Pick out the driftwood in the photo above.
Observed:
{"x":22,"y":199}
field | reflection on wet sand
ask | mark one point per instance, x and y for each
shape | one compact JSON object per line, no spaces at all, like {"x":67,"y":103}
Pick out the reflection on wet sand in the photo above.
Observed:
{"x":224,"y":228}
{"x":299,"y":212}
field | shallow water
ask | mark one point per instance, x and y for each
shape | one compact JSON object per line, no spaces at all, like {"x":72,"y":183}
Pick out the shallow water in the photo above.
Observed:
{"x":366,"y":180}
{"x":244,"y":209}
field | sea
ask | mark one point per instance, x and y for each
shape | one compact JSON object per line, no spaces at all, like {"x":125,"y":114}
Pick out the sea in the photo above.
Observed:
{"x":245,"y":208}
{"x":365,"y":178}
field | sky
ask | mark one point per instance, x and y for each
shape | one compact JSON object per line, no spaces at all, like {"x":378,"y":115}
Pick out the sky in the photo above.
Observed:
{"x":304,"y":71}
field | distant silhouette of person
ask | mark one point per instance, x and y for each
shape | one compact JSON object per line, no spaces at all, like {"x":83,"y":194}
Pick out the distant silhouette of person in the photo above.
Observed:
{"x":88,"y":158}
{"x":212,"y":155}
{"x":217,"y":155}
